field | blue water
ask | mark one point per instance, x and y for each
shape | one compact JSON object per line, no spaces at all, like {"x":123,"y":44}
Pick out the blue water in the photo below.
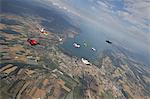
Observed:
{"x":93,"y":37}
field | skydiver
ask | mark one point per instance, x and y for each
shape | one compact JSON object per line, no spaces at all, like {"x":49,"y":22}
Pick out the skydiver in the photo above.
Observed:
{"x":33,"y":42}
{"x":108,"y":41}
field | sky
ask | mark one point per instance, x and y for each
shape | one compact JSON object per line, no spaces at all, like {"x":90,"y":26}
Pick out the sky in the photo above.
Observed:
{"x":126,"y":20}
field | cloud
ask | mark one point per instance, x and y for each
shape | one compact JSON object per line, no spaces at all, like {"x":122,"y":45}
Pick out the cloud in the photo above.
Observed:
{"x":121,"y":19}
